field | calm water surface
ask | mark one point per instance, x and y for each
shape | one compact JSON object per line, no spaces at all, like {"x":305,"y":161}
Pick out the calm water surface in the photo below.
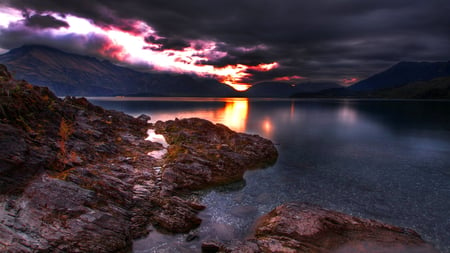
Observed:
{"x":384,"y":160}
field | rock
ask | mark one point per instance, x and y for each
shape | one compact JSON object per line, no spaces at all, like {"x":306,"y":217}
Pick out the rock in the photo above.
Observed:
{"x":4,"y":74}
{"x":202,"y":154}
{"x":211,"y":247}
{"x":300,"y":227}
{"x":144,"y":118}
{"x":175,"y":215}
{"x":190,"y":237}
{"x":77,"y":178}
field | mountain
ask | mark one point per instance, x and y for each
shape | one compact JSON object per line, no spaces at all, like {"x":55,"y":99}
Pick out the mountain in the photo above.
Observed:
{"x":402,"y":74}
{"x":77,"y":75}
{"x":438,"y":88}
{"x":281,"y":89}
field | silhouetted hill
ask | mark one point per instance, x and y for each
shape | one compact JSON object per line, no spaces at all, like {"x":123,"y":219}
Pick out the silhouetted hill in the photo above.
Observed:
{"x":71,"y":74}
{"x":281,"y":89}
{"x":402,"y":74}
{"x":438,"y":88}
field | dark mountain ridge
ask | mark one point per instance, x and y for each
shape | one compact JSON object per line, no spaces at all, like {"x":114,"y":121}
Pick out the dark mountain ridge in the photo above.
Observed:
{"x":403,"y":73}
{"x":77,"y":75}
{"x":71,"y":74}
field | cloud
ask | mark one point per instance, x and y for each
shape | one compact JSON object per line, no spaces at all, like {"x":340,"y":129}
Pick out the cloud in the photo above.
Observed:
{"x":44,"y":21}
{"x":164,"y":43}
{"x":320,"y":40}
{"x":20,"y":33}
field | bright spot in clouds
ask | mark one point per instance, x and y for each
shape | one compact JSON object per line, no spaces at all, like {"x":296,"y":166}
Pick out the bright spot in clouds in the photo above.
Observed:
{"x":349,"y":81}
{"x":289,"y":78}
{"x":132,"y":48}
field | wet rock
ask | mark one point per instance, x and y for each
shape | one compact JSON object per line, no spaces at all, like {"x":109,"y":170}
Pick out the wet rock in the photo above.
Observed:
{"x":190,"y":237}
{"x":300,"y":227}
{"x":144,"y":118}
{"x":202,"y":154}
{"x":175,"y":215}
{"x":211,"y":247}
{"x":4,"y":74}
{"x":77,"y":178}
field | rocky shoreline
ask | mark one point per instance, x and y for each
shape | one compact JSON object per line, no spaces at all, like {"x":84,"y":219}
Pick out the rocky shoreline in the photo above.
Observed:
{"x":75,"y":177}
{"x":302,"y":227}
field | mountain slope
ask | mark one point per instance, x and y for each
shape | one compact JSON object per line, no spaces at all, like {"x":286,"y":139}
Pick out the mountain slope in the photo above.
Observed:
{"x":438,"y":88}
{"x":71,"y":74}
{"x":402,"y":74}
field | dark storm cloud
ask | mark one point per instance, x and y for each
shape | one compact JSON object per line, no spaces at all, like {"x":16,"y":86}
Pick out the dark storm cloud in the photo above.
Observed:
{"x":44,"y":21}
{"x":164,"y":43}
{"x":320,"y":39}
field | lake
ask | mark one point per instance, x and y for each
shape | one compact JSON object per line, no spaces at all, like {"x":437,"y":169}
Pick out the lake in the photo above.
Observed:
{"x":387,"y":160}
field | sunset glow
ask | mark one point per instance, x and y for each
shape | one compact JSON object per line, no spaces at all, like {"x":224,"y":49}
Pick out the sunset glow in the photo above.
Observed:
{"x":289,"y":78}
{"x":349,"y":81}
{"x":131,"y":47}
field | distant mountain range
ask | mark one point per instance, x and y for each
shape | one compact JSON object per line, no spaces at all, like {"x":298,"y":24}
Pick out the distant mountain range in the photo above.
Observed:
{"x":421,"y":80}
{"x":403,"y":73}
{"x":71,"y":74}
{"x":77,"y":75}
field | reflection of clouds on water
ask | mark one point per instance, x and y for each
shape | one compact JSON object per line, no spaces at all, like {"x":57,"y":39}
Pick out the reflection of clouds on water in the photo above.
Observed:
{"x":158,"y":138}
{"x":347,"y":115}
{"x":267,"y":127}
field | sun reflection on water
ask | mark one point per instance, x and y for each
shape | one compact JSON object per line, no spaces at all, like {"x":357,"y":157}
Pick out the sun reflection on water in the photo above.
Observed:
{"x":235,"y":114}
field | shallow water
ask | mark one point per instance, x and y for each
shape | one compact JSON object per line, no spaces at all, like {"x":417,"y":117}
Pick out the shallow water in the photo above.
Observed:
{"x":385,"y":160}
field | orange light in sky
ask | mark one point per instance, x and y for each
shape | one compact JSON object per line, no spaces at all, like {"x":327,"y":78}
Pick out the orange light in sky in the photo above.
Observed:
{"x":234,"y":74}
{"x":130,"y":47}
{"x":349,"y":81}
{"x":289,"y":78}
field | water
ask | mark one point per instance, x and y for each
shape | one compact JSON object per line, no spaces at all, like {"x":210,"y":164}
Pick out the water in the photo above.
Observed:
{"x":384,"y":160}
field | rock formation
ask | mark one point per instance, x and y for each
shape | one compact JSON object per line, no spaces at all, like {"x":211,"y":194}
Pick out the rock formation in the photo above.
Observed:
{"x":300,"y":227}
{"x":75,"y":177}
{"x":202,"y":154}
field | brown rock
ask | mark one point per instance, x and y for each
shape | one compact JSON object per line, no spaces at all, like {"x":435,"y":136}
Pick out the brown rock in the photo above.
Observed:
{"x":299,"y":227}
{"x":4,"y":74}
{"x":211,"y":247}
{"x":203,"y":154}
{"x":77,"y":178}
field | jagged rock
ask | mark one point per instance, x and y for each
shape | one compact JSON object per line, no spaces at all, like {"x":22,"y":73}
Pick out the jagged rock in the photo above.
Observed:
{"x":144,"y":118}
{"x":300,"y":227}
{"x":4,"y":74}
{"x":203,"y":154}
{"x":77,"y":178}
{"x":211,"y":247}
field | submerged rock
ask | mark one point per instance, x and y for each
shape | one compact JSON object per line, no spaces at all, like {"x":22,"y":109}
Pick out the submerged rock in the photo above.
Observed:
{"x":300,"y":227}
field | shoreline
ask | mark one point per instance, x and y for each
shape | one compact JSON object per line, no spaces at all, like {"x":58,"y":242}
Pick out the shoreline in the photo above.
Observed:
{"x":77,"y":177}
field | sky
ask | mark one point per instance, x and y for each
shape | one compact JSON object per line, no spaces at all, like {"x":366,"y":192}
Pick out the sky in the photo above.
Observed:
{"x":238,"y":42}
